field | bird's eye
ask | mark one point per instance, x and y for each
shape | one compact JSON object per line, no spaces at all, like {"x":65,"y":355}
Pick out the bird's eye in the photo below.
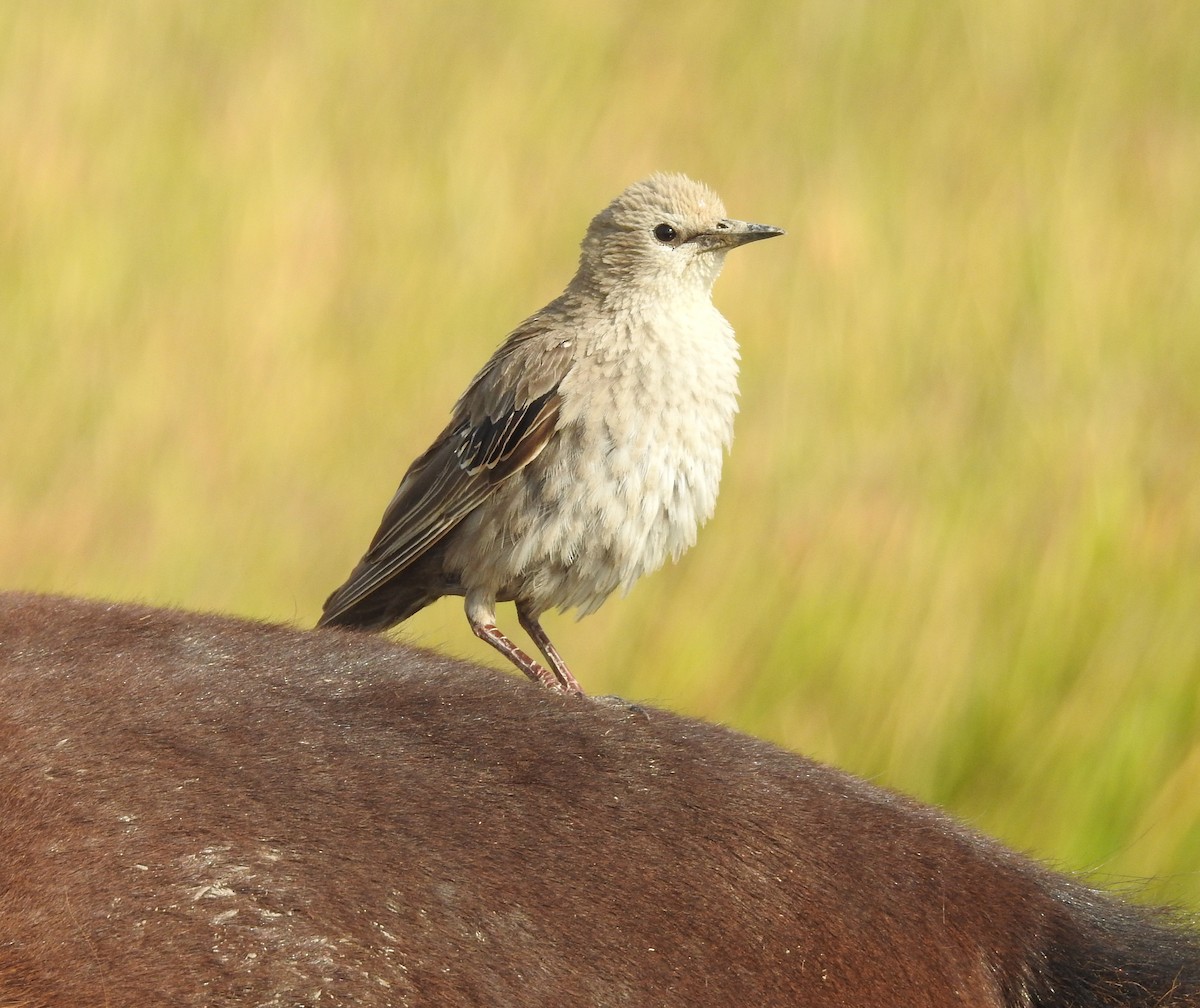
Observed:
{"x":665,"y":233}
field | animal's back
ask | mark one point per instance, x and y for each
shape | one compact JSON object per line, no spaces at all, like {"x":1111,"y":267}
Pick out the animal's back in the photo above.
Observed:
{"x":202,"y":811}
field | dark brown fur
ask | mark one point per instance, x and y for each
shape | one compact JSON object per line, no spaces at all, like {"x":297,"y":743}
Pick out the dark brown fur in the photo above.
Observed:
{"x":197,"y":810}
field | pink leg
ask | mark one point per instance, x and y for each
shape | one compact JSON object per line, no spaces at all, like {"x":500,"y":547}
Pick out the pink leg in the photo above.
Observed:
{"x":493,"y":635}
{"x":532,"y":627}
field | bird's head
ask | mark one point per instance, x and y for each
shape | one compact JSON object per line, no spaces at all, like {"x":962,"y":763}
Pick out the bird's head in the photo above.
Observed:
{"x":666,"y":232}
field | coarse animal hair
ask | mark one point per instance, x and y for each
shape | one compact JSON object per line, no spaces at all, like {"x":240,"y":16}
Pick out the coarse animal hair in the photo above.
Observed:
{"x":198,"y":810}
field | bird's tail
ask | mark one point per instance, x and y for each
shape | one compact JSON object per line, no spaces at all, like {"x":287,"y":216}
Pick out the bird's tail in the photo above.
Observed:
{"x":375,"y":610}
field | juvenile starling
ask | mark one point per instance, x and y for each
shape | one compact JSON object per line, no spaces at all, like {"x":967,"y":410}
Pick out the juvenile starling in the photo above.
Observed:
{"x":587,"y":450}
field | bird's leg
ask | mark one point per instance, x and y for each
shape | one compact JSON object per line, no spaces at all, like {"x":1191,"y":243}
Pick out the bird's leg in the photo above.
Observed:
{"x":495,"y":636}
{"x":532,"y":627}
{"x":483,"y":623}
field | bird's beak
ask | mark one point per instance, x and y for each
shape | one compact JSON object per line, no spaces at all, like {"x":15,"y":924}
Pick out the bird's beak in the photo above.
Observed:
{"x":729,"y":234}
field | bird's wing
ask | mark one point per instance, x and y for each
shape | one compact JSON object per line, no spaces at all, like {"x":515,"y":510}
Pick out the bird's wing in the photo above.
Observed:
{"x":501,"y":423}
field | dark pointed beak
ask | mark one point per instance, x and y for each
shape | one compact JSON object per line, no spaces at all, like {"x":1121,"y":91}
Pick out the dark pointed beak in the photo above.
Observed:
{"x":729,"y":234}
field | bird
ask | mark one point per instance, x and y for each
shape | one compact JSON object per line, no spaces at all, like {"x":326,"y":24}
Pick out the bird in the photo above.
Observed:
{"x":587,"y":450}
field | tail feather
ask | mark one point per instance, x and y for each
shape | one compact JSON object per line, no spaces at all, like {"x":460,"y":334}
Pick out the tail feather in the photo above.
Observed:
{"x":377,"y":610}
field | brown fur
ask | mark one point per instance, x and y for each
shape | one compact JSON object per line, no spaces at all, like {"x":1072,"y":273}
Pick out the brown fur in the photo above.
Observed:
{"x":196,"y":810}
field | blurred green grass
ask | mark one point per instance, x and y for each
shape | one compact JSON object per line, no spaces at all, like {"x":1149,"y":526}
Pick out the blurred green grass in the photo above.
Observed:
{"x":250,"y":253}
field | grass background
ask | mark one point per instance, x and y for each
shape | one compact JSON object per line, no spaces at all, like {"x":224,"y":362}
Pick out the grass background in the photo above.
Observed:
{"x":250,"y":253}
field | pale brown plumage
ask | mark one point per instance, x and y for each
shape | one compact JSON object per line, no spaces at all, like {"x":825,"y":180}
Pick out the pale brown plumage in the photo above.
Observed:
{"x":567,"y":469}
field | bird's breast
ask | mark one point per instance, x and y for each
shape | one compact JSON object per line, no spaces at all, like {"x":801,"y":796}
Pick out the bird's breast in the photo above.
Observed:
{"x":627,"y":478}
{"x":636,"y":461}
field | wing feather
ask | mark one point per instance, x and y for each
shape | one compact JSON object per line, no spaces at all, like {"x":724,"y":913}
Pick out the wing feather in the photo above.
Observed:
{"x":502,"y":422}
